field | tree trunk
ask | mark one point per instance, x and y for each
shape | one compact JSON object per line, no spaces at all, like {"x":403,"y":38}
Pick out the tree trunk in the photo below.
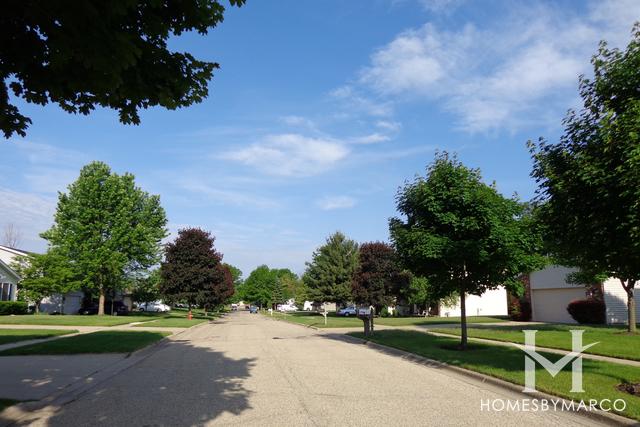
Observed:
{"x":628,"y":286}
{"x":101,"y":303}
{"x":38,"y":306}
{"x":631,"y":307}
{"x":463,"y":320}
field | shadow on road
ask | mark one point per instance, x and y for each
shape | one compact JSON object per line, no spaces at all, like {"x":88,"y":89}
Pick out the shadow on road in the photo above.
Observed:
{"x":181,"y":384}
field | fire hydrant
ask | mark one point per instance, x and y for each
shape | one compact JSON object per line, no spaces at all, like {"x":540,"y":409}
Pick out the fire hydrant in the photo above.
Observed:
{"x":189,"y":316}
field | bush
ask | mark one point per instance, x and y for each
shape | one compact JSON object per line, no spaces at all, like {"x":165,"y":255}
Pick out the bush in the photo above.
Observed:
{"x":520,"y":311}
{"x":12,"y":307}
{"x":587,"y":311}
{"x":384,"y":312}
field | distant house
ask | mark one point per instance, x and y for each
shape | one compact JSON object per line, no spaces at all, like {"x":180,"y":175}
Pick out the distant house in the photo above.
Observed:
{"x":550,"y":294}
{"x":491,"y":303}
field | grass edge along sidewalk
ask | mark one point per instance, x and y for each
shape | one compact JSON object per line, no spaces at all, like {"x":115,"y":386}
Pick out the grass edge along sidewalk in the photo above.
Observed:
{"x":600,"y":379}
{"x":10,"y":336}
{"x":91,"y":343}
{"x":334,"y":321}
{"x":612,"y":341}
{"x":71,"y":320}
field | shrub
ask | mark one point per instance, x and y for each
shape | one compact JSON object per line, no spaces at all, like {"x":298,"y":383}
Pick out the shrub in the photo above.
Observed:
{"x":12,"y":307}
{"x":384,"y":312}
{"x":520,"y":311}
{"x":587,"y":311}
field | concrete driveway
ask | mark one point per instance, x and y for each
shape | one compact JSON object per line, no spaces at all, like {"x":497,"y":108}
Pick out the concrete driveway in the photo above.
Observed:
{"x":247,"y":369}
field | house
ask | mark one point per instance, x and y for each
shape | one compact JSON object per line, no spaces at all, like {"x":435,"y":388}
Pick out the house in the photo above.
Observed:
{"x":69,"y":303}
{"x":8,"y":282}
{"x":491,"y":303}
{"x":549,"y":295}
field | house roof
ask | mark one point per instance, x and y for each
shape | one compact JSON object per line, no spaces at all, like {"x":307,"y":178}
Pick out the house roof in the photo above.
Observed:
{"x":14,"y":250}
{"x":5,"y":270}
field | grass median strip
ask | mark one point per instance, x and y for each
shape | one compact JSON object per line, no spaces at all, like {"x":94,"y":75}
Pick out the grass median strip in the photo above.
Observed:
{"x":8,"y":336}
{"x":95,"y":342}
{"x":70,"y":320}
{"x":600,"y":379}
{"x":612,"y":341}
{"x":334,"y":321}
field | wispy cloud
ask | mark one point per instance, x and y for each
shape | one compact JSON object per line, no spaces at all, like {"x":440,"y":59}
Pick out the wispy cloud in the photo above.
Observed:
{"x":373,"y":138}
{"x":353,"y":101}
{"x":502,"y":75}
{"x":290,"y":155}
{"x":235,"y":197}
{"x":30,"y":213}
{"x":336,"y":202}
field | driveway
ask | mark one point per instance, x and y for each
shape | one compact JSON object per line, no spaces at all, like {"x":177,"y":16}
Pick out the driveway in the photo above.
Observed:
{"x":247,"y":369}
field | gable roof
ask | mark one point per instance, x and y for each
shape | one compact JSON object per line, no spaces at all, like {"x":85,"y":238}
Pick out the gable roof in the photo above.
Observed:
{"x":14,"y":250}
{"x":5,"y":270}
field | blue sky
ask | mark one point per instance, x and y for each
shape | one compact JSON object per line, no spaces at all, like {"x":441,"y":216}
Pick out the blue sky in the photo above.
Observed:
{"x":321,"y":110}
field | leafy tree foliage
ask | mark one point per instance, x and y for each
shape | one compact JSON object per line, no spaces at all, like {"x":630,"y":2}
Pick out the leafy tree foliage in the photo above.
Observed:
{"x":192,"y":269}
{"x":95,"y":53}
{"x":461,"y":234}
{"x":236,"y":275}
{"x":147,"y":288}
{"x":329,"y":274}
{"x":217,"y":293}
{"x":44,"y":275}
{"x":589,"y":191}
{"x":378,"y":279}
{"x":267,"y":287}
{"x":107,"y":228}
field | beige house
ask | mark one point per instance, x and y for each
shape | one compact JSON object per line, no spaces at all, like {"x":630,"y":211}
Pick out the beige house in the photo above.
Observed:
{"x":551,"y":294}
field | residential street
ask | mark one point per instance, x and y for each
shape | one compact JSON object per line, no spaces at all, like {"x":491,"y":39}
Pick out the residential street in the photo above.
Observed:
{"x":248,"y":369}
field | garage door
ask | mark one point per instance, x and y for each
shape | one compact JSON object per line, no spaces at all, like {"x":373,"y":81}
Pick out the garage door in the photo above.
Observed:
{"x":550,"y":305}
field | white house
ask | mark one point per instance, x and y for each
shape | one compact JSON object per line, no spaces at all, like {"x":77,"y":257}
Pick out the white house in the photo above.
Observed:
{"x":8,"y":282}
{"x":551,"y":294}
{"x":69,"y":303}
{"x":491,"y":303}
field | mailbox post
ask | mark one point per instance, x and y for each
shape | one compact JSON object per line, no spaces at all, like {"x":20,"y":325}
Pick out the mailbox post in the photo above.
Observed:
{"x":366,"y":315}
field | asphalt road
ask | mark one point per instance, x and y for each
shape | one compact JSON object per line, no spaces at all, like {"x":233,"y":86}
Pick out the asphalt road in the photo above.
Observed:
{"x":247,"y":369}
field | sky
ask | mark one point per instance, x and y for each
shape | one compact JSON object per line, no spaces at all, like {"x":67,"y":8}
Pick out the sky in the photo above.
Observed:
{"x":320,"y":111}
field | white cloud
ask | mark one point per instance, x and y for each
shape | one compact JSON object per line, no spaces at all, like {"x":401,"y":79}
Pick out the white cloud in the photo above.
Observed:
{"x":373,"y":138}
{"x":356,"y":102}
{"x":298,"y":121}
{"x":336,"y":202}
{"x":30,"y":213}
{"x":389,"y":125}
{"x":291,"y":155}
{"x":512,"y":72}
{"x":234,"y":197}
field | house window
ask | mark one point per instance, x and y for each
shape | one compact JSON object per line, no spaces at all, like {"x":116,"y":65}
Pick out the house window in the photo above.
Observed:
{"x":5,"y":291}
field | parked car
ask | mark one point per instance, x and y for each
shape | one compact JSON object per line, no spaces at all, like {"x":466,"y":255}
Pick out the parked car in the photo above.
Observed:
{"x":117,"y":308}
{"x":234,"y":307}
{"x":253,"y":309}
{"x":154,"y":306}
{"x":347,"y":311}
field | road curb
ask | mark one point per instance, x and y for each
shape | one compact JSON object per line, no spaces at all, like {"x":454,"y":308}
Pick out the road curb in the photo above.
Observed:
{"x":603,"y":417}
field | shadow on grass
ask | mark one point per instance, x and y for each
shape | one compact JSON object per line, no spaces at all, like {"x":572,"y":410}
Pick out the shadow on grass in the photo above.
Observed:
{"x":180,"y":384}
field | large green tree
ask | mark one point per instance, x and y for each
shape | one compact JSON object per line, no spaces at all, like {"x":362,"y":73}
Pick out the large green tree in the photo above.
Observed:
{"x":147,"y":287}
{"x":44,"y":275}
{"x":461,"y":234}
{"x":92,"y":53}
{"x":108,"y":228}
{"x":267,"y":287}
{"x":589,"y":181}
{"x":191,"y":266}
{"x":328,"y":276}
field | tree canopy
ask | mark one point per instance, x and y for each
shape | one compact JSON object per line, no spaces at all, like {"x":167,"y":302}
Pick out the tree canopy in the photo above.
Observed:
{"x":81,"y":55}
{"x":107,"y":228}
{"x":328,"y":276}
{"x":192,"y":267}
{"x":589,"y":193}
{"x":378,"y":280}
{"x":461,"y":234}
{"x":267,"y":287}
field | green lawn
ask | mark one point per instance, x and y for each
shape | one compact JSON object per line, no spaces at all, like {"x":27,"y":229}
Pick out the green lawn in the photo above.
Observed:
{"x":5,"y":403}
{"x":95,"y":342}
{"x":599,"y":378}
{"x":613,"y":341}
{"x":333,"y":321}
{"x":14,"y":335}
{"x":70,"y":320}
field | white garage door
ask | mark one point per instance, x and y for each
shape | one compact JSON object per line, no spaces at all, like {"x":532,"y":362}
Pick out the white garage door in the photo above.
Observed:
{"x":550,"y":305}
